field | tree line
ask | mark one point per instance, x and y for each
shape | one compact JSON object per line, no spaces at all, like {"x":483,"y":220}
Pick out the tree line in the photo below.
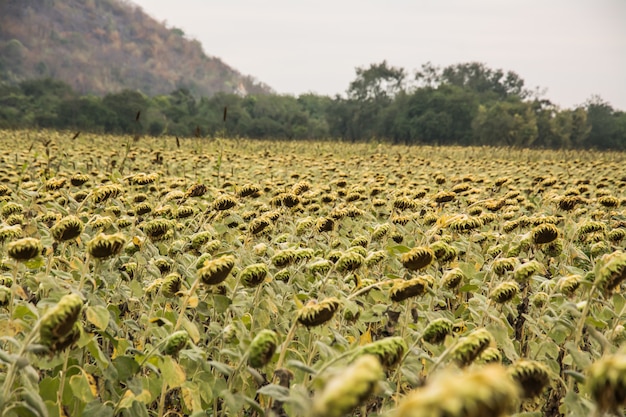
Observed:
{"x":465,"y":104}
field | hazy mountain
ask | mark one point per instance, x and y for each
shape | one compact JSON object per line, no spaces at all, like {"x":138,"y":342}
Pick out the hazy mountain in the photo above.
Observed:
{"x":102,"y":46}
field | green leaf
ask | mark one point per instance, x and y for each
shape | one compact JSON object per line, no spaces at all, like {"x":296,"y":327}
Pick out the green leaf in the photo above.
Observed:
{"x":278,"y":392}
{"x":96,"y":352}
{"x":469,"y":288}
{"x":126,"y":367}
{"x":98,"y":316}
{"x":35,"y":402}
{"x":97,"y":409}
{"x":80,"y":387}
{"x":172,"y":372}
{"x":48,"y":388}
{"x":221,"y":303}
{"x":301,"y":366}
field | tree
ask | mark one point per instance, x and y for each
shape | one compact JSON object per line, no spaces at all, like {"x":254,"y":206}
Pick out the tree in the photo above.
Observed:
{"x":379,"y":81}
{"x":606,"y":130}
{"x":506,"y":123}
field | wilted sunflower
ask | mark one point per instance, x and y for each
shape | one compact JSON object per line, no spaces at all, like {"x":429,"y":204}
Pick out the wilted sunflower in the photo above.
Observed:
{"x":24,"y":249}
{"x":417,"y":258}
{"x":481,"y":392}
{"x":215,"y":271}
{"x":606,"y":382}
{"x":471,"y":346}
{"x":504,"y":292}
{"x":253,"y":275}
{"x":403,"y":290}
{"x":544,"y":233}
{"x":103,"y":246}
{"x":57,"y":330}
{"x":612,"y":271}
{"x":349,"y":388}
{"x":531,"y":376}
{"x":67,"y":228}
{"x":452,"y":279}
{"x":224,"y":202}
{"x":175,"y":342}
{"x":196,"y":190}
{"x":315,"y":314}
{"x":262,"y":348}
{"x":437,"y":330}
{"x":389,"y":350}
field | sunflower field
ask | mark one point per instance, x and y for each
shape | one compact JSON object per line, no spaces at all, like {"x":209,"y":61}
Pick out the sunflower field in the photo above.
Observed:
{"x":230,"y":277}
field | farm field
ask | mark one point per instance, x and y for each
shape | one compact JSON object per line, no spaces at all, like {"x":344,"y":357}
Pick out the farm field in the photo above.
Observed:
{"x":227,"y":277}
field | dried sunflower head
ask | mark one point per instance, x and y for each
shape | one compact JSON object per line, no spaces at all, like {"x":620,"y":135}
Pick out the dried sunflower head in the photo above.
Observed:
{"x":349,"y":388}
{"x":24,"y":249}
{"x":253,"y":275}
{"x":104,"y":246}
{"x":403,"y":290}
{"x":224,"y":202}
{"x":490,"y":355}
{"x":526,"y":270}
{"x":57,"y":329}
{"x":316,"y":314}
{"x":9,"y":233}
{"x":471,"y":346}
{"x":67,"y":228}
{"x":437,"y":330}
{"x":531,"y":376}
{"x":349,"y":261}
{"x":196,"y":190}
{"x":443,"y":251}
{"x":417,"y":258}
{"x":606,"y":383}
{"x":569,"y":284}
{"x":504,"y":292}
{"x":486,"y":391}
{"x":215,"y":271}
{"x":389,"y":350}
{"x":452,"y":279}
{"x":612,"y":271}
{"x":544,"y":233}
{"x":171,"y":285}
{"x":262,"y":348}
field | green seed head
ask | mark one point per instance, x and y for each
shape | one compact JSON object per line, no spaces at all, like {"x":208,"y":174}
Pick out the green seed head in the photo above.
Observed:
{"x":481,"y":392}
{"x":437,"y":330}
{"x":57,"y":329}
{"x":175,"y":342}
{"x":262,"y":348}
{"x":348,"y":389}
{"x":253,"y":275}
{"x":471,"y":346}
{"x":389,"y":350}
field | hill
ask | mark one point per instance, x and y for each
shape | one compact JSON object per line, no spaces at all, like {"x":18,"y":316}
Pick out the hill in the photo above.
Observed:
{"x":103,"y":46}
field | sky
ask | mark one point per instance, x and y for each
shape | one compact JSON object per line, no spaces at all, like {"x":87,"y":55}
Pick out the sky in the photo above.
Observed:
{"x":572,"y":49}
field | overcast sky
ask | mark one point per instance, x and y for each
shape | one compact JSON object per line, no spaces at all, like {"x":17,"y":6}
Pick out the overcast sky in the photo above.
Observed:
{"x":572,"y":48}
